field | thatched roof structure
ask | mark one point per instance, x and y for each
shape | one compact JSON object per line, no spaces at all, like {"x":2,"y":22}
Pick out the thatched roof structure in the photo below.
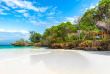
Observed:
{"x":102,"y":26}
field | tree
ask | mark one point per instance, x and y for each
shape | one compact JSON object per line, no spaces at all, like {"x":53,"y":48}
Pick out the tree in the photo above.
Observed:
{"x":20,"y":42}
{"x":78,"y":21}
{"x":103,"y":11}
{"x":59,"y":33}
{"x":34,"y":37}
{"x":88,"y":22}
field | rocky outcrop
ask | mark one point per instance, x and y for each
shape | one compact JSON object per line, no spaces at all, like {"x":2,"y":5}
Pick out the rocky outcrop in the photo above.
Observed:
{"x":63,"y":45}
{"x":40,"y":44}
{"x":95,"y":45}
{"x":84,"y":45}
{"x":26,"y":44}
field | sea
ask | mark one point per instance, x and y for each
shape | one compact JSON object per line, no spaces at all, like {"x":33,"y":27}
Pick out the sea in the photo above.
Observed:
{"x":9,"y":51}
{"x":10,"y":47}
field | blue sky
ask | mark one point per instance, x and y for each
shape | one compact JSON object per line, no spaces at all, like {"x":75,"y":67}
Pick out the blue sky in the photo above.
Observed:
{"x":18,"y":17}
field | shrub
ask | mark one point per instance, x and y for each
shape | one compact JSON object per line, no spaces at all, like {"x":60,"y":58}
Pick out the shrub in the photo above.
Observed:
{"x":92,"y":38}
{"x":74,"y":37}
{"x":82,"y":35}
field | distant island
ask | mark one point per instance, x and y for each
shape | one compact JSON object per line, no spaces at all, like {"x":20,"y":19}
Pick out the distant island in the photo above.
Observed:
{"x":90,"y":32}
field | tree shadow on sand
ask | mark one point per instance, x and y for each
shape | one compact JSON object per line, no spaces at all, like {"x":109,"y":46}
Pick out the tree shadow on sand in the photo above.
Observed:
{"x":106,"y":53}
{"x":61,"y":60}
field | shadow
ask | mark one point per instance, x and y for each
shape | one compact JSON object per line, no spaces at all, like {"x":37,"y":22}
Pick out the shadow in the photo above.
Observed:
{"x":100,"y":52}
{"x":61,"y":60}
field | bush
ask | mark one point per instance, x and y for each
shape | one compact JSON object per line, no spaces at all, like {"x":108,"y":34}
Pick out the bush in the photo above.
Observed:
{"x":82,"y":35}
{"x":35,"y":37}
{"x":74,"y":37}
{"x":92,"y":38}
{"x":20,"y":42}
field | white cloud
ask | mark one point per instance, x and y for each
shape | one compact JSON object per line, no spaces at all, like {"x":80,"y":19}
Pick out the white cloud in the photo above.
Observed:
{"x":81,"y":9}
{"x":26,"y":14}
{"x":24,"y":31}
{"x":92,"y":6}
{"x":2,"y":30}
{"x":84,"y":5}
{"x":4,"y":7}
{"x":24,"y":4}
{"x":40,"y":15}
{"x":2,"y":13}
{"x":54,"y":8}
{"x":85,"y":8}
{"x":70,"y":19}
{"x":32,"y":17}
{"x":21,"y":11}
{"x":52,"y":13}
{"x":12,"y":31}
{"x":38,"y":22}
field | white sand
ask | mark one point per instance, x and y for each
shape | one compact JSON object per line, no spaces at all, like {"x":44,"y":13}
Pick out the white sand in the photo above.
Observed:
{"x":57,"y":62}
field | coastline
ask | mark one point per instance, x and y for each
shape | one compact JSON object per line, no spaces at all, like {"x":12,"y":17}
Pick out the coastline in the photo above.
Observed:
{"x":92,"y":45}
{"x":57,"y":62}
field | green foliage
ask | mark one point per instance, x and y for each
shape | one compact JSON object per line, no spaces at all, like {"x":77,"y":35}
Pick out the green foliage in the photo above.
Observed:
{"x":103,"y":9}
{"x":105,"y":39}
{"x":59,"y":33}
{"x":34,"y":37}
{"x":92,"y":38}
{"x":82,"y":35}
{"x":88,"y":21}
{"x":74,"y":37}
{"x":21,"y":42}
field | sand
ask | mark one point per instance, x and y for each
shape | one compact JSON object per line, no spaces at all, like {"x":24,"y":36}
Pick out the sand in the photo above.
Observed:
{"x":57,"y":62}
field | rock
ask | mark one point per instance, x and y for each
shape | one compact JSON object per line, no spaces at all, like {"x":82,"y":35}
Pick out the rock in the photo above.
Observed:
{"x":95,"y":45}
{"x":63,"y":45}
{"x":27,"y":44}
{"x":108,"y":47}
{"x":91,"y":48}
{"x":84,"y":44}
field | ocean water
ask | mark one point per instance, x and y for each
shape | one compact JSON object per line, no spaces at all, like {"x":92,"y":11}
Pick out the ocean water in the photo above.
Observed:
{"x":11,"y":47}
{"x":9,"y":51}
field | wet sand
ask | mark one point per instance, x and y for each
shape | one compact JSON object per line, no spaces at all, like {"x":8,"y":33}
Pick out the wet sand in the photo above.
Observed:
{"x":57,"y":62}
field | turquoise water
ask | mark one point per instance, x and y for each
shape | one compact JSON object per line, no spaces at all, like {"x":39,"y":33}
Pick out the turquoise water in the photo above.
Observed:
{"x":9,"y":51}
{"x":11,"y":47}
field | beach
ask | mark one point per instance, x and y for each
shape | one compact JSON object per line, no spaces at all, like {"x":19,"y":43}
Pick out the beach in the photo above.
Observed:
{"x":54,"y":61}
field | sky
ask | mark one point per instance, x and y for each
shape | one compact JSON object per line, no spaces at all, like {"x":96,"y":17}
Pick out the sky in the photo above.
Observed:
{"x":18,"y":17}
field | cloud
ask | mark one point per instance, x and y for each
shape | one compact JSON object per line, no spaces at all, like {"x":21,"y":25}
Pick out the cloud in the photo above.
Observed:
{"x":52,"y":13}
{"x":55,"y":8}
{"x":32,"y":17}
{"x":21,"y":11}
{"x":92,"y":6}
{"x":85,"y":8}
{"x":2,"y":30}
{"x":38,"y":22}
{"x":10,"y":37}
{"x":26,"y":14}
{"x":4,"y":7}
{"x":12,"y":31}
{"x":2,"y":12}
{"x":24,"y":4}
{"x":70,"y":19}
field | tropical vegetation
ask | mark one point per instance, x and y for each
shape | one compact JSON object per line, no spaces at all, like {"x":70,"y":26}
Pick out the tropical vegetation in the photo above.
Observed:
{"x":82,"y":29}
